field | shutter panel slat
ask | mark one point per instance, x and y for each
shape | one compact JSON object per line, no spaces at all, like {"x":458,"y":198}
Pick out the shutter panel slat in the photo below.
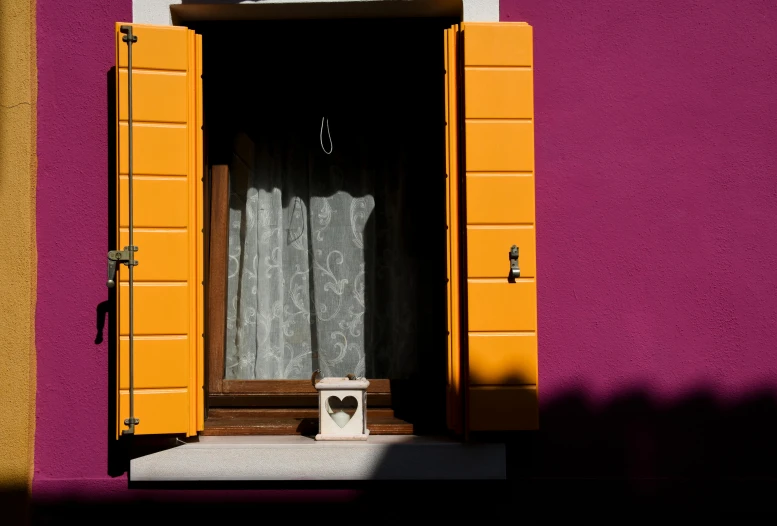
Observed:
{"x":502,"y":359}
{"x":160,"y":308}
{"x":501,"y":383}
{"x":160,"y":149}
{"x":498,"y":44}
{"x":496,"y":305}
{"x":160,"y":362}
{"x":161,"y":48}
{"x":498,"y":146}
{"x":157,"y":96}
{"x":165,"y":202}
{"x":168,"y":300}
{"x":511,"y":93}
{"x":163,"y":411}
{"x":503,"y":408}
{"x":485,"y":250}
{"x":162,"y":250}
{"x":497,"y":199}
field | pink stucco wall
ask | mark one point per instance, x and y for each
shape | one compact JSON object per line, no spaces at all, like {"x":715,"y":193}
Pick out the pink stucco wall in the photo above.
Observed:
{"x":656,"y":206}
{"x":656,"y":194}
{"x":75,"y":52}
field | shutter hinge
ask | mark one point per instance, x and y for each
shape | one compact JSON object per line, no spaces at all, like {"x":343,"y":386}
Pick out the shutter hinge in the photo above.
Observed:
{"x":128,"y":36}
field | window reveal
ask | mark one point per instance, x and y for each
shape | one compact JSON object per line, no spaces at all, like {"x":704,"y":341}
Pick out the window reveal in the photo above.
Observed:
{"x":496,"y":368}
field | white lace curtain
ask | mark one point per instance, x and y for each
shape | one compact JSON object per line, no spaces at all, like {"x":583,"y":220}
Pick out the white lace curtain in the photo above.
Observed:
{"x":318,"y":273}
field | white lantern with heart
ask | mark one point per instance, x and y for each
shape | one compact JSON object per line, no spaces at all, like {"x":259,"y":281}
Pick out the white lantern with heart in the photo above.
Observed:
{"x":342,"y":404}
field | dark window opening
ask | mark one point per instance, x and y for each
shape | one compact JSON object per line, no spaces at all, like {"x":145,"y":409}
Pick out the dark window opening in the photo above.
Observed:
{"x":335,"y":238}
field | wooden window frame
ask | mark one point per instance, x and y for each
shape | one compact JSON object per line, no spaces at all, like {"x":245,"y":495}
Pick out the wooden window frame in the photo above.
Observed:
{"x":251,"y":407}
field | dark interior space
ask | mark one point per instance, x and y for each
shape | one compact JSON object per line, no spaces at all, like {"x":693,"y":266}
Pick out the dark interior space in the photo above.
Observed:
{"x":379,"y":84}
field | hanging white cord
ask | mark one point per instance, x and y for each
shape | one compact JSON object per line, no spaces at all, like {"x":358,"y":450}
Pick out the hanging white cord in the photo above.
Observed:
{"x":321,"y":137}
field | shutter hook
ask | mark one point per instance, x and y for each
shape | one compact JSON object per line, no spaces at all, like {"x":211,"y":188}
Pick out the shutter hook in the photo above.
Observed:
{"x":515,"y":271}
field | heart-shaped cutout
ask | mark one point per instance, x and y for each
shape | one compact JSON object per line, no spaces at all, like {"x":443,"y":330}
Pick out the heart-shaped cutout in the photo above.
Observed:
{"x":343,"y":410}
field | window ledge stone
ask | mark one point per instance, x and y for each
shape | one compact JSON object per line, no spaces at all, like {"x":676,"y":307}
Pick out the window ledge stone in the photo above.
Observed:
{"x":380,"y":457}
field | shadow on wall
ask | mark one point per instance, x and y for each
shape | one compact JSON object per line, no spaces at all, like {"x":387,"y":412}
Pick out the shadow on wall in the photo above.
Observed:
{"x":636,"y":437}
{"x":698,"y":454}
{"x":14,"y":502}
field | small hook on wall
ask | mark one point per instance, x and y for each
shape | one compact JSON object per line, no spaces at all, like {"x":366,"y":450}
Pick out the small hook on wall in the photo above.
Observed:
{"x":321,"y":136}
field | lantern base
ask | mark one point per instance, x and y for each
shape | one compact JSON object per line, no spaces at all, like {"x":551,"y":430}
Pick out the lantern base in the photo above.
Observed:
{"x":343,"y":437}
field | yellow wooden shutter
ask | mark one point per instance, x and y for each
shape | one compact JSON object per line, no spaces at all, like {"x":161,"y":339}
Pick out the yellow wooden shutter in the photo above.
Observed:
{"x":167,"y":188}
{"x":501,"y":316}
{"x":454,"y":382}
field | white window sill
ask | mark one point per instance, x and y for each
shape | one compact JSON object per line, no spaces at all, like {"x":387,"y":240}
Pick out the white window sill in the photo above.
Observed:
{"x":380,"y":457}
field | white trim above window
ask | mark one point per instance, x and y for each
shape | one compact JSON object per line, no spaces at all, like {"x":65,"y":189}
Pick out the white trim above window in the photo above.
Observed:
{"x":158,"y":12}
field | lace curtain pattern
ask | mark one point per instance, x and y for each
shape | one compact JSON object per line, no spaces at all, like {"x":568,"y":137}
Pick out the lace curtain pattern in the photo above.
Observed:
{"x":318,"y":273}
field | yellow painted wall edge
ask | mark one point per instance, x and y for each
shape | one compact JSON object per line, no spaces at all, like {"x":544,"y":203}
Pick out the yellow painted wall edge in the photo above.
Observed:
{"x":18,"y":255}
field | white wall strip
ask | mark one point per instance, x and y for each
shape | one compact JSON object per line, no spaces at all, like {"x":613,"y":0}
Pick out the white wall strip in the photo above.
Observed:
{"x":157,"y":12}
